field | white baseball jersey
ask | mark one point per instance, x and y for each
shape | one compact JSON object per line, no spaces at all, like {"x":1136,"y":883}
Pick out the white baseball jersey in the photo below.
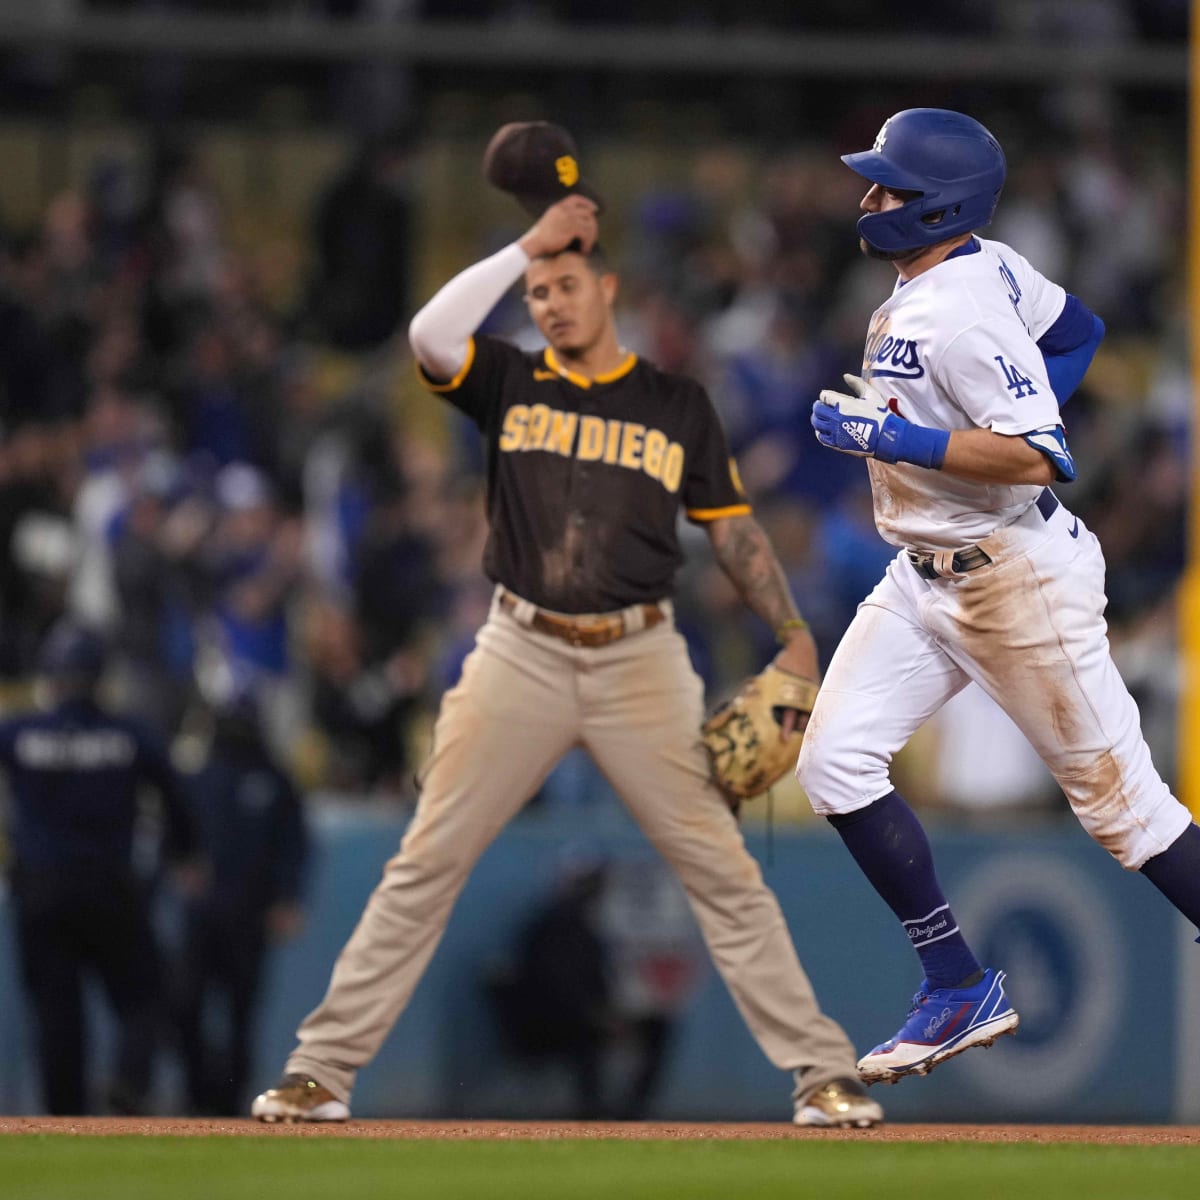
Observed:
{"x":955,"y":348}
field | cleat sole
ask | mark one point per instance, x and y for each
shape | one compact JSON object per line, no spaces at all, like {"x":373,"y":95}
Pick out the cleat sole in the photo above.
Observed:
{"x":990,"y":1036}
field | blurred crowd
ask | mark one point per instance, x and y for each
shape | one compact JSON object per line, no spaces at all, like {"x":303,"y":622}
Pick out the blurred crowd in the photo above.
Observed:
{"x":246,"y":495}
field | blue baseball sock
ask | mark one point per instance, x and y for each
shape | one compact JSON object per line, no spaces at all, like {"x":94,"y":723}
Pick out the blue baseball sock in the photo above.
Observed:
{"x":1176,"y":873}
{"x":890,"y":846}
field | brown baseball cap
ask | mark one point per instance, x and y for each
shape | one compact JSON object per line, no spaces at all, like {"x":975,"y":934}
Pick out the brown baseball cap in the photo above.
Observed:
{"x":536,"y":162}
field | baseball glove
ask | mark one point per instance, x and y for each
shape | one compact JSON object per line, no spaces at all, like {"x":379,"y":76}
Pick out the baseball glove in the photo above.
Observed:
{"x":743,"y":735}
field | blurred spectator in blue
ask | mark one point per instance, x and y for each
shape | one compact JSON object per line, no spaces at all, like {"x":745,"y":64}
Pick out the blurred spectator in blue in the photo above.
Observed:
{"x":153,"y":538}
{"x":251,"y":823}
{"x":374,"y":555}
{"x":253,"y":559}
{"x":118,"y":431}
{"x":852,"y":557}
{"x":76,"y":774}
{"x":250,"y":568}
{"x":397,"y":587}
{"x":674,"y":249}
{"x":214,"y":415}
{"x":766,"y":396}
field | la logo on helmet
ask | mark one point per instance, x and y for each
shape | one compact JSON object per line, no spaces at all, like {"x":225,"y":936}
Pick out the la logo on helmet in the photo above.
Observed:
{"x":881,"y":137}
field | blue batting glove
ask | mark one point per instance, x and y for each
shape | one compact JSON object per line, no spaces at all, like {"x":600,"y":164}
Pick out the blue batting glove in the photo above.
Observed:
{"x":862,"y":424}
{"x":851,"y":423}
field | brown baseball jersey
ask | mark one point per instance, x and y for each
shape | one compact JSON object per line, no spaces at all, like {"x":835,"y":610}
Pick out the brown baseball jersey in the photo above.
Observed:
{"x":585,"y":477}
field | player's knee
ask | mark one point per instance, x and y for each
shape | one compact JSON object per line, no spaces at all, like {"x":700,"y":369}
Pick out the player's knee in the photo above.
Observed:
{"x":1131,"y":813}
{"x":1133,"y":838}
{"x":814,"y":771}
{"x":836,"y":778}
{"x":805,"y":764}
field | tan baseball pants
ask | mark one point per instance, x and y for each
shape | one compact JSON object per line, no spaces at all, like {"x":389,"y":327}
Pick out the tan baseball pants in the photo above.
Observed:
{"x":525,"y":698}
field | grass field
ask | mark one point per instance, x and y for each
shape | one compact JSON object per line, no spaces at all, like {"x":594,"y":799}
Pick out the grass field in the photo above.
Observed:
{"x":54,"y":1167}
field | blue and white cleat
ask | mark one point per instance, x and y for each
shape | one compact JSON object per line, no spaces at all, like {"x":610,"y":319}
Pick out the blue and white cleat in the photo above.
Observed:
{"x":941,"y":1024}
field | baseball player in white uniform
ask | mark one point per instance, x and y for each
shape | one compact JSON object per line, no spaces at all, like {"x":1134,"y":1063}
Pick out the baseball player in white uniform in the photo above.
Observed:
{"x":957,"y":411}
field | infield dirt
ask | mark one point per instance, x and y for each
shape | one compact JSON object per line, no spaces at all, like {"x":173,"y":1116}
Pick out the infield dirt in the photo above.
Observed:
{"x":1115,"y":1135}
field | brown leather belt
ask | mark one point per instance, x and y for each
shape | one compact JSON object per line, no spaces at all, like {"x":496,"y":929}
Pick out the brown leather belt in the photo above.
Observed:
{"x":964,"y":560}
{"x":975,"y":556}
{"x":591,"y":630}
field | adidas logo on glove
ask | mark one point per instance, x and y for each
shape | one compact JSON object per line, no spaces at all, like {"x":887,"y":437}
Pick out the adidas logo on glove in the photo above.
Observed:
{"x":860,"y":431}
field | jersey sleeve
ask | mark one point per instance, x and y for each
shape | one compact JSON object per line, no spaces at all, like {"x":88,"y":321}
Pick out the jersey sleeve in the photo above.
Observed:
{"x":712,"y":488}
{"x":480,"y":382}
{"x":1038,"y":301}
{"x":1069,"y":346}
{"x":996,"y":375}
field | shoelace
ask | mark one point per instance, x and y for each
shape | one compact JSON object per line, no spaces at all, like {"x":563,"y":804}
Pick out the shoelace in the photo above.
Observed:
{"x":917,"y":1001}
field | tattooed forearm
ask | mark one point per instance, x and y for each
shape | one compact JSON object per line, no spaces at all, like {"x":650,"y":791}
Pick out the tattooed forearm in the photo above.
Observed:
{"x":747,"y":557}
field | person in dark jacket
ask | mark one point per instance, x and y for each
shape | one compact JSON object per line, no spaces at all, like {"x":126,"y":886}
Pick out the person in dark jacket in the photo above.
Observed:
{"x":556,"y":1004}
{"x":251,"y":822}
{"x":76,"y":775}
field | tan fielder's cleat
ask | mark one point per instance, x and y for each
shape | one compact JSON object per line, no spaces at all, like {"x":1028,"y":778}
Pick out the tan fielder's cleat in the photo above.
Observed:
{"x":842,"y":1103}
{"x":299,"y":1098}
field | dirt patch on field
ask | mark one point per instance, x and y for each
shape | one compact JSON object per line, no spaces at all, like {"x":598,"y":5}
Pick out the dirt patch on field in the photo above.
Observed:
{"x":1123,"y":1135}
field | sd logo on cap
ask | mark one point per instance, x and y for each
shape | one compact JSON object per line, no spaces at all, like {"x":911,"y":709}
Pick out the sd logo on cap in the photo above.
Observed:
{"x":536,"y":162}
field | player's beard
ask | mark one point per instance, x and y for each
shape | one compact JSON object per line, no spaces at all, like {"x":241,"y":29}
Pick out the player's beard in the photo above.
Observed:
{"x":571,"y":348}
{"x":900,"y":256}
{"x":577,"y":343}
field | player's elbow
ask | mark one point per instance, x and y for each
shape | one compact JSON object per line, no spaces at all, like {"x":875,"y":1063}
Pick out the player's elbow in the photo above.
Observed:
{"x":419,"y":336}
{"x":1041,"y":457}
{"x":440,"y":357}
{"x":1042,"y":471}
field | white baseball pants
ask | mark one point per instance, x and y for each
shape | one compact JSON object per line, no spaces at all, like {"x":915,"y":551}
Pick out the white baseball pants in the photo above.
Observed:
{"x":1029,"y":629}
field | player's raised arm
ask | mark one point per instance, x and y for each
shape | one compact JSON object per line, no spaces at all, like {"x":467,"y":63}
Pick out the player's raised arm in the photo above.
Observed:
{"x":440,"y":333}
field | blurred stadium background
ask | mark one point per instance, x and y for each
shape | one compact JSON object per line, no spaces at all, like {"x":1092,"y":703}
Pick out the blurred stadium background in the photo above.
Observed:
{"x":216,"y":217}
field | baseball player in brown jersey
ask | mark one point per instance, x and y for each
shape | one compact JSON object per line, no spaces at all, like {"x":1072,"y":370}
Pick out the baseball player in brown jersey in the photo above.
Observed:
{"x":591,"y":452}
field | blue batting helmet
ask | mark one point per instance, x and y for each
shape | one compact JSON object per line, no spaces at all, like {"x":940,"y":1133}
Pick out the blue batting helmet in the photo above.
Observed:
{"x":951,"y":161}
